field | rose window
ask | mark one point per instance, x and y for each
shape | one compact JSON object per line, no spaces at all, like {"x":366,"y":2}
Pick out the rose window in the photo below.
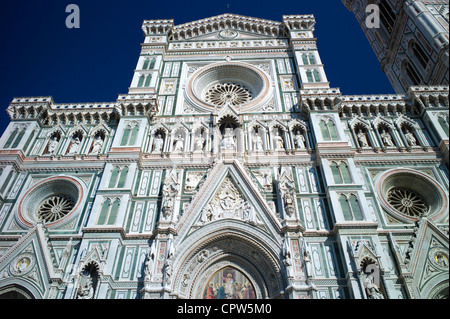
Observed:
{"x":408,"y":195}
{"x":55,"y":208}
{"x":228,"y":83}
{"x":52,"y":201}
{"x":228,"y":93}
{"x":407,"y":202}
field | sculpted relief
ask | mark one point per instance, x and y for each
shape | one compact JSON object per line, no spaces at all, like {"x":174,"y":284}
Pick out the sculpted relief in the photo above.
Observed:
{"x":228,"y":203}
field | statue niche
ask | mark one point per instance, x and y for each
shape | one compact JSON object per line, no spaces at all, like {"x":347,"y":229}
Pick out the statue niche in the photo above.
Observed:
{"x":53,"y":143}
{"x":88,"y":282}
{"x":229,"y":132}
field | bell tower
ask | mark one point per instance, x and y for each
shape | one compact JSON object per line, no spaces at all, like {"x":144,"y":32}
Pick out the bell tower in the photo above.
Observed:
{"x":410,"y":41}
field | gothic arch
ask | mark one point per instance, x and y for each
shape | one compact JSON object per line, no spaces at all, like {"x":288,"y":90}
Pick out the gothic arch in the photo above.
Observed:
{"x":228,"y":244}
{"x":13,"y":288}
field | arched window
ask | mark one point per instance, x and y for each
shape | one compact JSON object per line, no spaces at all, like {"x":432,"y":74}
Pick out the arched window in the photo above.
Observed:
{"x":340,"y":173}
{"x":316,"y":75}
{"x":148,"y":80}
{"x":118,"y":177}
{"x":146,"y":63}
{"x":109,"y":212}
{"x":345,"y":173}
{"x":336,"y":173}
{"x":387,"y":16}
{"x":309,"y":75}
{"x":104,"y":212}
{"x":133,"y":137}
{"x":19,"y":138}
{"x":350,"y":207}
{"x":444,"y":124}
{"x":114,"y":212}
{"x":419,"y":54}
{"x":411,"y":73}
{"x":114,"y":176}
{"x":11,"y":138}
{"x":152,"y":64}
{"x":329,"y":132}
{"x":305,"y":59}
{"x":126,"y":135}
{"x":324,"y":128}
{"x":141,"y":81}
{"x":123,"y":177}
{"x":356,"y":209}
{"x":312,"y":59}
{"x":130,"y":134}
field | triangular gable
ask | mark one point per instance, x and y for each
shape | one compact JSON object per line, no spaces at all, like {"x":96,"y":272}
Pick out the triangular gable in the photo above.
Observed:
{"x":427,"y":262}
{"x":31,"y":260}
{"x":228,"y":193}
{"x":204,"y":28}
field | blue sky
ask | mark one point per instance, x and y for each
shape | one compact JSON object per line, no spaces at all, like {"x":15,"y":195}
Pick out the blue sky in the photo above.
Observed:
{"x":41,"y":57}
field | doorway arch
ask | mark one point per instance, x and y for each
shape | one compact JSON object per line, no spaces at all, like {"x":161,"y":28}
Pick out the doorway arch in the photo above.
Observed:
{"x":258,"y":262}
{"x":15,"y":292}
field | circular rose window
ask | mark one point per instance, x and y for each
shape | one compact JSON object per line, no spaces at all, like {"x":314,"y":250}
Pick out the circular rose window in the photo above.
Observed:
{"x":231,"y":83}
{"x":50,"y":201}
{"x":409,"y":195}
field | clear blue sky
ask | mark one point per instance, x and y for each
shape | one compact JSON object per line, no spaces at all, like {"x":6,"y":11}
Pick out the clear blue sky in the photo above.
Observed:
{"x":41,"y":57}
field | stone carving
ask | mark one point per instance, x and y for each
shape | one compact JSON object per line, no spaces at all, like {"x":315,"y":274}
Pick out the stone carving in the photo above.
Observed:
{"x":387,"y":138}
{"x":287,"y":256}
{"x":410,"y":138}
{"x":228,"y":202}
{"x":148,"y":270}
{"x":278,"y":141}
{"x":158,"y":144}
{"x":75,"y":146}
{"x":372,"y":290}
{"x":179,"y":144}
{"x":97,"y":146}
{"x":53,"y":145}
{"x":362,"y":139}
{"x":86,"y":289}
{"x":286,"y":188}
{"x":264,"y":177}
{"x":299,"y":141}
{"x":199,"y":144}
{"x":192,"y":180}
{"x":170,"y":191}
{"x":229,"y":140}
{"x":257,"y":142}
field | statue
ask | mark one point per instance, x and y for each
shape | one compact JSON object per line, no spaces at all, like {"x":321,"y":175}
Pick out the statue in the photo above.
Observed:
{"x":387,"y":138}
{"x":150,"y":262}
{"x":75,"y":146}
{"x":98,"y":145}
{"x":229,"y":140}
{"x":287,"y":192}
{"x":207,"y":214}
{"x":362,"y":138}
{"x":179,"y":144}
{"x":257,"y":142}
{"x":53,"y":144}
{"x":158,"y":143}
{"x":410,"y":138}
{"x":372,"y":290}
{"x":299,"y":140}
{"x":287,"y":256}
{"x":248,"y":212}
{"x":200,"y":144}
{"x":86,"y":290}
{"x":169,"y":192}
{"x":279,"y":143}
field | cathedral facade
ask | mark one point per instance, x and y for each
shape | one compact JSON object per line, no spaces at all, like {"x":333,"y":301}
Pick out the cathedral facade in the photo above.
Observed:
{"x":230,"y":170}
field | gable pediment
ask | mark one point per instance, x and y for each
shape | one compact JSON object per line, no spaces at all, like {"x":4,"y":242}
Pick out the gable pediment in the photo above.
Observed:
{"x":227,"y":26}
{"x":228,"y":193}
